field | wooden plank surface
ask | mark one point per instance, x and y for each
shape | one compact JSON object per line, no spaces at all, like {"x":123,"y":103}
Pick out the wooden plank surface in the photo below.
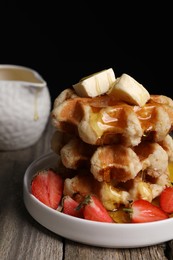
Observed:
{"x":22,"y":238}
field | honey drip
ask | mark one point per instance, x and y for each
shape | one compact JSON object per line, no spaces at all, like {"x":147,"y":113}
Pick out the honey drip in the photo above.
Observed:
{"x":98,"y":86}
{"x":36,"y":116}
{"x":110,"y":80}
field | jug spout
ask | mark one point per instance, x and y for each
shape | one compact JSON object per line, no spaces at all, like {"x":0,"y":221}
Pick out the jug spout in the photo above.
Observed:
{"x":26,"y":76}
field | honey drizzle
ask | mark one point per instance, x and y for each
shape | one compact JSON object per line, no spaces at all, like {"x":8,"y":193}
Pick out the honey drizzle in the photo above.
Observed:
{"x":110,"y":80}
{"x":97,"y":86}
{"x":36,"y":115}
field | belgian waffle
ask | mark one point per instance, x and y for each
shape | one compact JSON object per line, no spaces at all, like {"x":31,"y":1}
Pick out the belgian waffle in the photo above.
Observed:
{"x":116,"y":150}
{"x":102,"y":120}
{"x":116,"y":161}
{"x":114,"y":195}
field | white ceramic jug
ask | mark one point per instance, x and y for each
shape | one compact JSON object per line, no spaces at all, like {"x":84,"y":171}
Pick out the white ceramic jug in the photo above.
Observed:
{"x":25,"y":105}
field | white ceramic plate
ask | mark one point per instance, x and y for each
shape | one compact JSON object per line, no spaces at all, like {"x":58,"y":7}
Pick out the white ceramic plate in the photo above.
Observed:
{"x":90,"y":232}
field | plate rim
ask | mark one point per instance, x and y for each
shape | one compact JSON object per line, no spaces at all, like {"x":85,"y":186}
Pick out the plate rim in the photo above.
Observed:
{"x":32,"y":203}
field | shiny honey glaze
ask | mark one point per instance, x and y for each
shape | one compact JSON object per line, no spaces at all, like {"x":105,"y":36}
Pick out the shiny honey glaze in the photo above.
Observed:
{"x":108,"y":115}
{"x":120,"y":216}
{"x":170,"y":168}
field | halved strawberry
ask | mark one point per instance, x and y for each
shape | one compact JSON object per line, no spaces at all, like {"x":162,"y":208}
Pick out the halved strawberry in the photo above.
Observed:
{"x":166,"y":200}
{"x":70,"y":207}
{"x":47,"y":186}
{"x":144,"y":211}
{"x":94,"y":210}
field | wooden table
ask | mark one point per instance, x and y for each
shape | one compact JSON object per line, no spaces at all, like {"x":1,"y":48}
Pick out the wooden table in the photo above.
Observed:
{"x":22,"y":238}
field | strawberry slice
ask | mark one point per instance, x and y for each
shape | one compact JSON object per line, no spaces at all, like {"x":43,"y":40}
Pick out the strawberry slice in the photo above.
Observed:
{"x":144,"y":211}
{"x":166,"y":200}
{"x":47,"y":186}
{"x":70,"y":207}
{"x":94,"y":210}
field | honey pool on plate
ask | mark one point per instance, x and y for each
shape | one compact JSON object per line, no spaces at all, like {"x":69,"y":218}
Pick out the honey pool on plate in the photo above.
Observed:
{"x":170,"y":167}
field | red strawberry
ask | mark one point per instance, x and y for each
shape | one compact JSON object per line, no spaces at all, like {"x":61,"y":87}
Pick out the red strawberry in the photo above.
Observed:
{"x":144,"y":211}
{"x":70,"y":207}
{"x":47,"y":186}
{"x":94,"y":210}
{"x":166,"y":200}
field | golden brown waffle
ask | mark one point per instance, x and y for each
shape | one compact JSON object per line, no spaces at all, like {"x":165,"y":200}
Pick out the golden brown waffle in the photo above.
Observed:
{"x":111,"y":194}
{"x":113,"y":149}
{"x":116,"y":162}
{"x":103,"y":120}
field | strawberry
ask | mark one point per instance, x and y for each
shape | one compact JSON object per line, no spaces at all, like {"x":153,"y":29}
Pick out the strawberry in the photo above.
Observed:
{"x":144,"y":211}
{"x":47,"y":186}
{"x":94,"y":210}
{"x":166,"y":200}
{"x":70,"y":207}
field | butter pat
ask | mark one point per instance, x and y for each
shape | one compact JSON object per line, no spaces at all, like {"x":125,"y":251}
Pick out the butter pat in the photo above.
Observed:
{"x":95,"y":84}
{"x":129,"y":90}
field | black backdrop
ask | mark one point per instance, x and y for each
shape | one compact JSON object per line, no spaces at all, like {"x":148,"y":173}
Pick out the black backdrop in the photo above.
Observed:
{"x":58,"y":41}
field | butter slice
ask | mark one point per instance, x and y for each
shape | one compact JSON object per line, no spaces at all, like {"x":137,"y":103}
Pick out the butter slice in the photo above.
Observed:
{"x":95,"y":84}
{"x":129,"y":90}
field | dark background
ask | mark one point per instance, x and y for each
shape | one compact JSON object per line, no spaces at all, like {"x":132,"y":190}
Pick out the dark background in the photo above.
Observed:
{"x":65,"y":43}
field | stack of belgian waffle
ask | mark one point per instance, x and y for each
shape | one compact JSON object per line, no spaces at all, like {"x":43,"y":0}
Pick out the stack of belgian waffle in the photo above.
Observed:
{"x":113,"y":139}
